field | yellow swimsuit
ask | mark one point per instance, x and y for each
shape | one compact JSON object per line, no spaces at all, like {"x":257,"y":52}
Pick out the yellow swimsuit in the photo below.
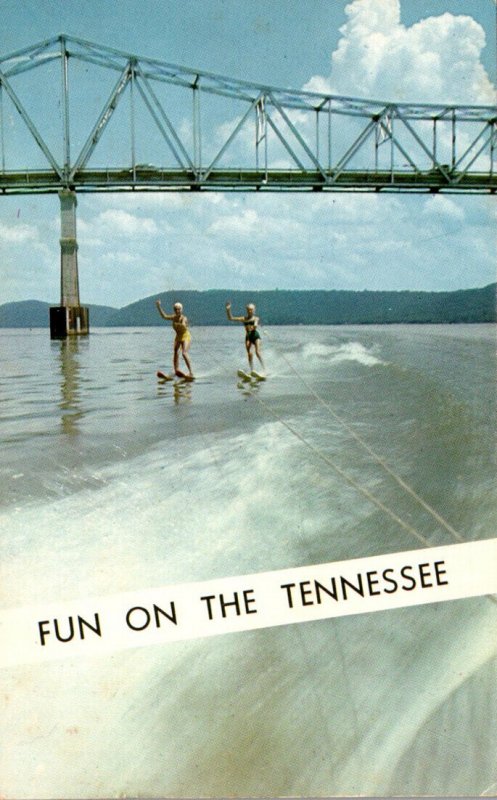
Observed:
{"x":184,"y":337}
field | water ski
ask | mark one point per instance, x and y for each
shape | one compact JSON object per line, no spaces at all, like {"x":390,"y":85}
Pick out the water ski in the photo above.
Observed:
{"x":163,"y":377}
{"x":257,"y":376}
{"x":183,"y":376}
{"x":243,"y":375}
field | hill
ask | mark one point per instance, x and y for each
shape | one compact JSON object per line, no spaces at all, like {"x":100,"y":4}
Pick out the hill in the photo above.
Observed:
{"x":35,"y":314}
{"x":335,"y":307}
{"x":284,"y":307}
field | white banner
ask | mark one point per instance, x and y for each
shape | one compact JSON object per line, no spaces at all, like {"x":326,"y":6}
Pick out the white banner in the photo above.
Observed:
{"x":247,"y":602}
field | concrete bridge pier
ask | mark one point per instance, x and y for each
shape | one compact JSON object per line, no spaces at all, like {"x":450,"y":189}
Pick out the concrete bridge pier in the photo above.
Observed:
{"x":69,"y":318}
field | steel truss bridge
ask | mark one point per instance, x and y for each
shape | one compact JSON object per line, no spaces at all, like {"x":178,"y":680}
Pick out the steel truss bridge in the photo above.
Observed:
{"x":78,"y":117}
{"x":81,"y":117}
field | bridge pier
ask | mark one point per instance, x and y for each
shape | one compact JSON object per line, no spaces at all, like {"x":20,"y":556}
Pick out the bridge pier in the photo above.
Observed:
{"x":69,"y":318}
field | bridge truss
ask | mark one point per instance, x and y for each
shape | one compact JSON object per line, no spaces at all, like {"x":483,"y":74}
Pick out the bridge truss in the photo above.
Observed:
{"x":82,"y":117}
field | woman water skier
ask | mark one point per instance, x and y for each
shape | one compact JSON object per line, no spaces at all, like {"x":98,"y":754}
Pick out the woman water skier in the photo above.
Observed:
{"x":252,"y":335}
{"x":183,"y":337}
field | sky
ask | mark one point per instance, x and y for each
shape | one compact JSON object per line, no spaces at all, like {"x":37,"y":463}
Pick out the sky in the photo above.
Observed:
{"x":136,"y":245}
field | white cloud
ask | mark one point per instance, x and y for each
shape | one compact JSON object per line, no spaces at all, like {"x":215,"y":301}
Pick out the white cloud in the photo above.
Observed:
{"x":273,"y":223}
{"x":443,"y":207}
{"x":435,"y":60}
{"x":17,"y":233}
{"x":107,"y":228}
{"x":121,"y":257}
{"x":122,"y":222}
{"x":247,"y":223}
{"x":140,"y":200}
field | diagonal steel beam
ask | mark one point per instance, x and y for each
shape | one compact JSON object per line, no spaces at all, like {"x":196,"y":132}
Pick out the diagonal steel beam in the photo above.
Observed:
{"x":162,"y":130}
{"x":473,"y":143}
{"x":29,"y":65}
{"x":355,"y":146}
{"x":230,"y":138}
{"x":29,"y":57}
{"x":297,"y":135}
{"x":176,"y":143}
{"x":284,"y":142}
{"x":30,"y":125}
{"x":30,"y":50}
{"x":490,"y":140}
{"x":399,"y":146}
{"x":98,"y":62}
{"x":102,"y":121}
{"x":429,"y":153}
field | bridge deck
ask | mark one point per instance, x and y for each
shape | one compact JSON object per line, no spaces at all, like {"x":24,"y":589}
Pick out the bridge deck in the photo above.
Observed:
{"x":150,"y":179}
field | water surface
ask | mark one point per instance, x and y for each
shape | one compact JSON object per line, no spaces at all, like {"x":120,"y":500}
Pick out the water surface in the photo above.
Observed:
{"x":111,"y":481}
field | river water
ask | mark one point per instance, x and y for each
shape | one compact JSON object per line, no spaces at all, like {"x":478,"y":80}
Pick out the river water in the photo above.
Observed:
{"x":112,"y":481}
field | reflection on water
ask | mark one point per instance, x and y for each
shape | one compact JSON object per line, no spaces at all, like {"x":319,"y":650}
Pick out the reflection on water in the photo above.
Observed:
{"x":180,"y":390}
{"x":70,"y":368}
{"x":248,"y":388}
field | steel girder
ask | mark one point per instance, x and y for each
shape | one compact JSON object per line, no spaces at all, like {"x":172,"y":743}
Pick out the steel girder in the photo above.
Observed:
{"x":218,"y":133}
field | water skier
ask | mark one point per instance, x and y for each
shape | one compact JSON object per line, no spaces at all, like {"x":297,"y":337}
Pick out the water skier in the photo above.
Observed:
{"x":183,"y":336}
{"x":252,"y":335}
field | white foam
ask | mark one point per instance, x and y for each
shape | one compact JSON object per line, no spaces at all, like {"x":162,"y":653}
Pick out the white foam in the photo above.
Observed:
{"x":334,"y":354}
{"x":139,"y":523}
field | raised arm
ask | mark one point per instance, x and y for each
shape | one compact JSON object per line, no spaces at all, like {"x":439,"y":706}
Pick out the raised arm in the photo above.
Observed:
{"x":161,"y":312}
{"x":230,"y":315}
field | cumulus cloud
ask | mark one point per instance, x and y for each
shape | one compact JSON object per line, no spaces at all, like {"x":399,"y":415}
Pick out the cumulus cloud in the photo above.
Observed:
{"x":136,"y":201}
{"x":17,"y":233}
{"x":107,"y":228}
{"x":128,"y":224}
{"x":245,"y":224}
{"x":250,"y":223}
{"x":443,"y":207}
{"x":435,"y":60}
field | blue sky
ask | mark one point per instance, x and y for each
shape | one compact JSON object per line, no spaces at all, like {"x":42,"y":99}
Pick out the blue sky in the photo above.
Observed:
{"x":131,"y":246}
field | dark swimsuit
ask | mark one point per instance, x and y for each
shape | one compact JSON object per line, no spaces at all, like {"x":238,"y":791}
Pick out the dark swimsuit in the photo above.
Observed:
{"x":251,"y":333}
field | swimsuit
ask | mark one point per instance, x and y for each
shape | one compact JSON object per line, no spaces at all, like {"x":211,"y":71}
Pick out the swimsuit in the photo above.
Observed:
{"x":184,"y":337}
{"x":252,"y":335}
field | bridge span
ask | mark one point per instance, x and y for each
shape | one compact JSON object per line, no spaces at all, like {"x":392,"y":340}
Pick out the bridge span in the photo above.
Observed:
{"x":79,"y":117}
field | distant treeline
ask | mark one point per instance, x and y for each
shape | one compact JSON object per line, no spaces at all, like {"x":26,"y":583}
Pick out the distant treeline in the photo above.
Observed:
{"x":284,"y":307}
